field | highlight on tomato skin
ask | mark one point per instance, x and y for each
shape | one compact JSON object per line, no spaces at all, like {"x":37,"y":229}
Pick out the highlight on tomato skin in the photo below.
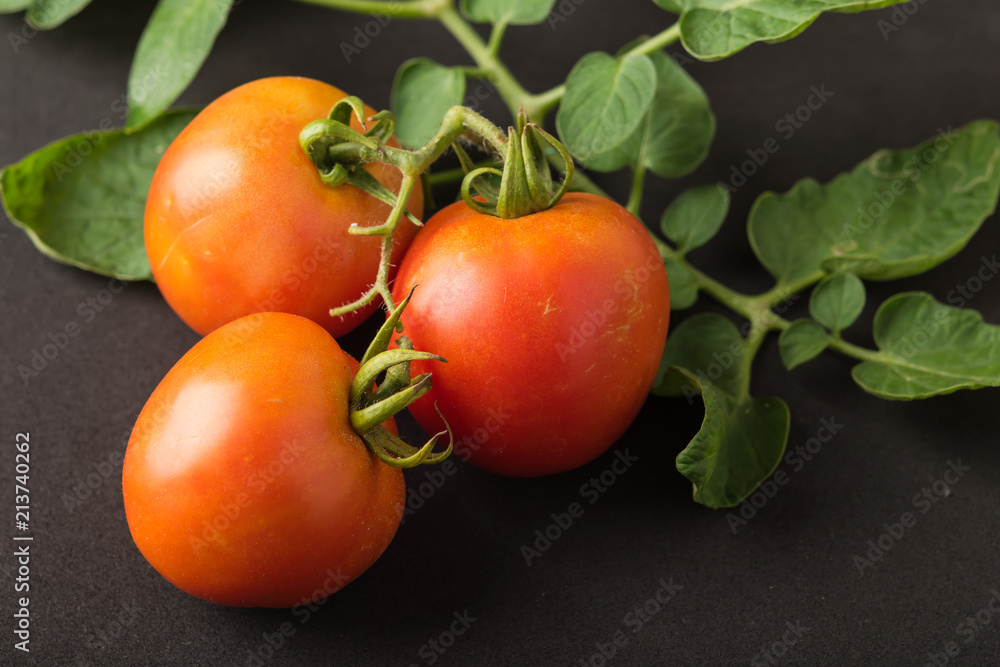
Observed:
{"x":244,"y":482}
{"x":238,"y":220}
{"x":553,"y":325}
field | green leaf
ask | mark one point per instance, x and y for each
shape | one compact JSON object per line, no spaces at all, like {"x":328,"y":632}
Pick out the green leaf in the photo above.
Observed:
{"x":677,"y":131}
{"x":605,"y":101}
{"x":11,"y":6}
{"x":683,"y":286}
{"x":929,"y":349}
{"x":511,"y":12}
{"x":742,"y":439}
{"x":896,"y":214}
{"x":681,"y":123}
{"x":422,"y":93}
{"x":173,"y":47}
{"x":837,"y":301}
{"x":82,"y":199}
{"x":695,"y":216}
{"x":802,"y":341}
{"x":48,"y":14}
{"x":715,"y":29}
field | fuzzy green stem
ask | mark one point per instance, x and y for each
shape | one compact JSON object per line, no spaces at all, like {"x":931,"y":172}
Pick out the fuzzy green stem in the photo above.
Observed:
{"x":634,"y":204}
{"x":457,"y":121}
{"x":496,"y":39}
{"x":418,"y":9}
{"x":757,"y":309}
{"x":656,"y":42}
{"x":509,"y":88}
{"x":751,"y":345}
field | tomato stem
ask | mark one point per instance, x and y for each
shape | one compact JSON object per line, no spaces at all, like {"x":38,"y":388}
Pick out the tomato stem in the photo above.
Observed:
{"x":758,"y":310}
{"x":417,"y":9}
{"x":638,"y":185}
{"x":371,"y":407}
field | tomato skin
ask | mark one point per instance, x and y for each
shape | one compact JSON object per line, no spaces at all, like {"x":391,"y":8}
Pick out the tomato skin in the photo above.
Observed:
{"x":244,"y":483}
{"x":553,"y":326}
{"x":238,"y":220}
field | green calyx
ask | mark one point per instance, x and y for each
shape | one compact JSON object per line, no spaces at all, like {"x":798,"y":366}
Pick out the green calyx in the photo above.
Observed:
{"x":526,"y":184}
{"x":371,"y":406}
{"x":333,"y":145}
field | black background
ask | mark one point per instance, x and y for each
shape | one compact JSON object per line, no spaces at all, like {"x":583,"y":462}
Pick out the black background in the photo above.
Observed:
{"x":94,"y":600}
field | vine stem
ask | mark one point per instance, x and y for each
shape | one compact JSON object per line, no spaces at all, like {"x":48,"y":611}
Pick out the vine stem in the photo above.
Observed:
{"x":457,"y":121}
{"x":486,"y":59}
{"x":486,"y":55}
{"x":417,"y":9}
{"x":638,"y":184}
{"x":758,"y":309}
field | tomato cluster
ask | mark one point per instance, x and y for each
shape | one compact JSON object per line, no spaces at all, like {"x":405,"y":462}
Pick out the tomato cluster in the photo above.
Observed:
{"x":244,"y":481}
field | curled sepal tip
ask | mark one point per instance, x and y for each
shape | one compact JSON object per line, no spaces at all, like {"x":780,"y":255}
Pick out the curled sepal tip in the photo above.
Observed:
{"x":370,"y":407}
{"x":526,"y":185}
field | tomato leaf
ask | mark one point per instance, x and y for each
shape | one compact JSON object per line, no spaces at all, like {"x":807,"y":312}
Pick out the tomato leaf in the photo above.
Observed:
{"x":512,"y":12}
{"x":605,"y":101}
{"x":48,"y":14}
{"x":82,"y":199}
{"x":695,"y":216}
{"x":422,"y":93}
{"x":683,"y":286}
{"x":837,"y":301}
{"x":897,"y":214}
{"x":677,"y":131}
{"x":742,"y":438}
{"x":681,"y":123}
{"x":173,"y":47}
{"x":929,"y":349}
{"x":802,"y":341}
{"x":11,"y":6}
{"x":716,"y":29}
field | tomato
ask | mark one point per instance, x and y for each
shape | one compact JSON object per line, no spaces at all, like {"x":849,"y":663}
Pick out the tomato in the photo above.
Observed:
{"x":244,"y":483}
{"x":553,"y":325}
{"x":239,"y":222}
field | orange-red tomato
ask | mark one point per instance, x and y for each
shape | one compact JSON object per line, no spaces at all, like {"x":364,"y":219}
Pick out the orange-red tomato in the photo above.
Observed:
{"x":553,"y":326}
{"x":239,"y":222}
{"x":244,"y":482}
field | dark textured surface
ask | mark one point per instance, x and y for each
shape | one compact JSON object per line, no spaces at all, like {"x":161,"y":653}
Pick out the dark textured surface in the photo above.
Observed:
{"x":94,"y":600}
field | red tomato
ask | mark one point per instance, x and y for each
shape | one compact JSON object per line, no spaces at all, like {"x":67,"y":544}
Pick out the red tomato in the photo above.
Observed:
{"x":553,"y":325}
{"x":244,"y":482}
{"x":239,"y":222}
